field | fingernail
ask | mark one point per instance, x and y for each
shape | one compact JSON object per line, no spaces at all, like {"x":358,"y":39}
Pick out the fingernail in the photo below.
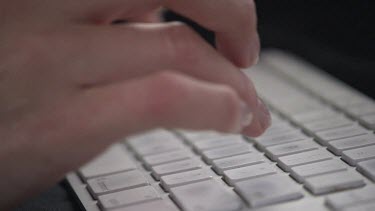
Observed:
{"x":246,"y":116}
{"x":264,"y":114}
{"x":256,"y":60}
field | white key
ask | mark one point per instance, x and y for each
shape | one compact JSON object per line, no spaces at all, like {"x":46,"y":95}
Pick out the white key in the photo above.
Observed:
{"x":368,"y":120}
{"x":300,"y":173}
{"x":175,"y":167}
{"x":367,"y":168}
{"x":150,"y":136}
{"x":217,"y":142}
{"x":333,"y":182}
{"x":208,"y":196}
{"x":274,"y":152}
{"x":354,"y":156}
{"x":340,"y":133}
{"x":157,"y":147}
{"x":194,"y":136}
{"x":370,"y":206}
{"x":239,"y":174}
{"x":152,"y":205}
{"x":268,"y":190}
{"x":362,"y":109}
{"x":235,"y":149}
{"x":339,"y":146}
{"x":327,"y":124}
{"x":116,"y":182}
{"x":128,"y":197}
{"x":184,"y":178}
{"x":167,"y":157}
{"x":279,"y":128}
{"x":272,"y":140}
{"x":315,"y":116}
{"x":113,"y":160}
{"x":221,"y":165}
{"x":290,"y":161}
{"x":346,"y":199}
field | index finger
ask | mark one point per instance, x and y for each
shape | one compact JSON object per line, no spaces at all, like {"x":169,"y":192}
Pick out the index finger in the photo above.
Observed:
{"x":234,"y":23}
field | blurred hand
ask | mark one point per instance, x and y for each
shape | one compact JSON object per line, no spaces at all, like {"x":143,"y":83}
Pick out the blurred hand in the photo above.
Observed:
{"x":71,"y":83}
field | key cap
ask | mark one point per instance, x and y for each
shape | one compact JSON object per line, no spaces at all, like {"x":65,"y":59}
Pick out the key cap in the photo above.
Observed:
{"x":226,"y":140}
{"x":290,"y":161}
{"x":239,"y":174}
{"x":153,"y":160}
{"x":340,"y":133}
{"x":300,"y":173}
{"x":207,"y":195}
{"x":327,"y":124}
{"x":369,"y":121}
{"x":333,"y":182}
{"x":151,"y":136}
{"x":367,"y":168}
{"x":127,"y":197}
{"x":264,"y":142}
{"x":221,"y":165}
{"x":361,"y":109}
{"x":346,"y":199}
{"x":113,"y":160}
{"x":268,"y":190}
{"x":235,"y":149}
{"x":339,"y":146}
{"x":278,"y":128}
{"x":370,"y":206}
{"x":157,"y":147}
{"x":354,"y":156}
{"x":184,"y":178}
{"x":196,"y":136}
{"x":157,"y":205}
{"x":274,"y":152}
{"x":175,"y":167}
{"x":315,"y":116}
{"x":116,"y":182}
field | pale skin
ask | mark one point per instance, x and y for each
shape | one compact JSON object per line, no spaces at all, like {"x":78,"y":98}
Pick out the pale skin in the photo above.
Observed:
{"x":71,"y":84}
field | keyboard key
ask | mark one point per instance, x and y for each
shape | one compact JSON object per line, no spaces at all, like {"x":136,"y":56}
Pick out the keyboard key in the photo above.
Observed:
{"x":274,"y":152}
{"x":333,"y":182}
{"x":370,"y":206}
{"x":290,"y":161}
{"x":184,"y":178}
{"x":327,"y":124}
{"x":207,"y":195}
{"x":196,"y":136}
{"x":116,"y":182}
{"x":235,"y":149}
{"x":113,"y":160}
{"x":167,"y":157}
{"x":278,"y":128}
{"x":157,"y":147}
{"x":340,"y":133}
{"x":268,"y":190}
{"x":127,"y":197}
{"x":341,"y":201}
{"x":339,"y":146}
{"x":354,"y":156}
{"x":300,"y":173}
{"x":239,"y":174}
{"x":367,"y":168}
{"x":315,"y":116}
{"x":221,"y":165}
{"x":267,"y":141}
{"x":151,"y":136}
{"x":153,"y":205}
{"x":222,"y":141}
{"x":175,"y":167}
{"x":361,"y":109}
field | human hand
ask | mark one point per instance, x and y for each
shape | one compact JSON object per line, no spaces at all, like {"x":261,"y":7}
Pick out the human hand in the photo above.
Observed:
{"x":71,"y":83}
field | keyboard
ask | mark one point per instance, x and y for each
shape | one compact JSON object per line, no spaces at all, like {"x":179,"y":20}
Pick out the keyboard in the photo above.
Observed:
{"x":318,"y":154}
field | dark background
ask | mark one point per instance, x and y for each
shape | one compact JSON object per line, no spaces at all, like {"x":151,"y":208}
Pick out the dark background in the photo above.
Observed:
{"x":337,"y":36}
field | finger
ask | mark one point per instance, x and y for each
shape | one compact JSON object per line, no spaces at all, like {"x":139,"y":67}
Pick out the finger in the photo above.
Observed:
{"x":149,"y":17}
{"x":233,"y":21}
{"x":167,"y":99}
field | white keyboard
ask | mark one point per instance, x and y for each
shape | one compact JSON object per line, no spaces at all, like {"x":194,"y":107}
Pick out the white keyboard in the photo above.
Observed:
{"x":319,"y":154}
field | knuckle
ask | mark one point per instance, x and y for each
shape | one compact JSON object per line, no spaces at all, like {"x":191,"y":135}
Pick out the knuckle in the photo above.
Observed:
{"x":182,"y":43}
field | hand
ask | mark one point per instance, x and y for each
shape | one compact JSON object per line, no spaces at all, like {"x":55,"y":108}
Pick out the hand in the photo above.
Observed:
{"x":71,"y":83}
